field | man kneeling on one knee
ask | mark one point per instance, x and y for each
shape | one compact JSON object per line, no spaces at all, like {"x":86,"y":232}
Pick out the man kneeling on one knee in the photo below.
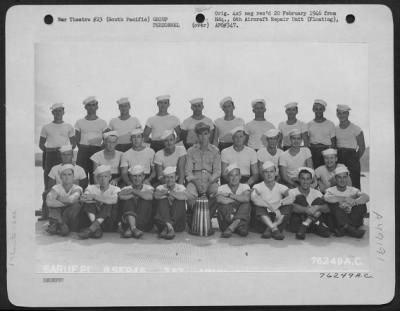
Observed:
{"x":233,"y":204}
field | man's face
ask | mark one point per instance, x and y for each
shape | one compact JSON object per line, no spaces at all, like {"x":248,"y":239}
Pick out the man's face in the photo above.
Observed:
{"x":66,"y":156}
{"x":269,"y":174}
{"x":295,"y":140}
{"x":124,"y":108}
{"x":273,"y":141}
{"x":239,"y":138}
{"x":341,"y":180}
{"x":291,"y":112}
{"x":203,"y":137}
{"x":137,"y":179}
{"x":197,"y":108}
{"x":342,"y":115}
{"x":170,"y":180}
{"x":169,"y":142}
{"x":91,"y":107}
{"x":259,"y":109}
{"x":67,"y":176}
{"x":104,"y":179}
{"x":110,"y":143}
{"x":58,"y":113}
{"x":228,"y":107}
{"x":163,"y":105}
{"x":318,"y":110}
{"x":305,"y":180}
{"x":137,"y":140}
{"x":330,"y":160}
{"x":234,"y":177}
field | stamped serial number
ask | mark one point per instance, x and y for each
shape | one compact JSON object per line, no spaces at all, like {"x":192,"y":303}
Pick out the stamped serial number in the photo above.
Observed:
{"x":339,"y":261}
{"x":345,"y":275}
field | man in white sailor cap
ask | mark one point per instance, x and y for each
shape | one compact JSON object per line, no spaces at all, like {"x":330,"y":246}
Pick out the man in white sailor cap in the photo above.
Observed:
{"x":242,"y":155}
{"x":99,"y":202}
{"x":293,"y":158}
{"x":271,"y":210}
{"x":233,"y":204}
{"x":170,"y":205}
{"x":257,"y":127}
{"x":347,"y":205}
{"x":310,"y":211}
{"x":350,"y":144}
{"x":270,"y":152}
{"x":325,"y":174}
{"x":139,"y":154}
{"x":136,"y":202}
{"x":189,"y":136}
{"x":52,"y":136}
{"x":171,"y":155}
{"x":156,"y":125}
{"x":291,"y":110}
{"x":89,"y":135}
{"x":63,"y":203}
{"x":124,"y":124}
{"x":224,"y":125}
{"x":321,"y":132}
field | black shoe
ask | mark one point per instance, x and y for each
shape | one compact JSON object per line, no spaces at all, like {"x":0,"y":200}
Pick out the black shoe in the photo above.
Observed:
{"x":277,"y":235}
{"x":136,"y":233}
{"x":98,"y":233}
{"x":267,"y":233}
{"x":63,"y":230}
{"x":339,"y":232}
{"x":127,"y":234}
{"x":227,"y":233}
{"x":170,"y":235}
{"x":355,"y":233}
{"x":242,"y":232}
{"x":52,"y":229}
{"x":163,"y":234}
{"x":301,"y":233}
{"x":85,"y":234}
{"x":322,"y":230}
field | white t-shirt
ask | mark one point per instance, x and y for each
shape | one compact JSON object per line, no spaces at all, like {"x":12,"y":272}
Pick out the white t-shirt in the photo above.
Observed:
{"x":114,"y":163}
{"x":347,"y":138}
{"x":111,"y":193}
{"x":272,"y":196}
{"x":57,"y":134}
{"x":79,"y":173}
{"x":263,"y":155}
{"x":58,"y":190}
{"x":172,"y":160}
{"x":224,"y":127}
{"x":132,"y":157}
{"x":312,"y":195}
{"x":350,"y":192}
{"x":244,"y":159}
{"x":240,"y":190}
{"x":159,"y":124}
{"x":286,"y":128}
{"x":124,"y":127}
{"x":91,"y":131}
{"x":256,"y":129}
{"x":321,"y":133}
{"x":177,"y":188}
{"x":293,"y":163}
{"x":145,"y":187}
{"x":189,"y":124}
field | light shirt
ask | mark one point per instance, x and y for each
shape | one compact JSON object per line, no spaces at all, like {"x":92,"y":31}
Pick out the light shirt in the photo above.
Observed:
{"x":177,"y":188}
{"x":145,"y":188}
{"x":286,"y":128}
{"x":171,"y":160}
{"x":91,"y":131}
{"x":347,"y":138}
{"x":79,"y":173}
{"x":312,"y":195}
{"x":159,"y":124}
{"x":293,"y":163}
{"x":144,"y":157}
{"x":263,"y":155}
{"x":124,"y":127}
{"x":244,"y":159}
{"x":256,"y":129}
{"x":224,"y":128}
{"x":58,"y":190}
{"x":111,"y":193}
{"x":209,"y":160}
{"x":189,"y":125}
{"x":321,"y":133}
{"x":114,"y":163}
{"x":272,"y":196}
{"x":57,"y":134}
{"x":242,"y":188}
{"x":350,"y":192}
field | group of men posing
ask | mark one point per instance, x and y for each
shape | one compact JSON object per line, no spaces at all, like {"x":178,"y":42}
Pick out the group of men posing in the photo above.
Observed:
{"x":253,"y":175}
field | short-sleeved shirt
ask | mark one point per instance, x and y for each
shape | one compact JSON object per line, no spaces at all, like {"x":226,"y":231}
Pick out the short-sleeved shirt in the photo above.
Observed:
{"x":57,"y":134}
{"x":239,"y":191}
{"x":321,"y":132}
{"x":171,"y":160}
{"x":197,"y":160}
{"x":79,"y":173}
{"x":177,"y":188}
{"x":159,"y":124}
{"x":293,"y":163}
{"x":347,"y":138}
{"x":189,"y":124}
{"x":350,"y":192}
{"x":263,"y":155}
{"x":286,"y":128}
{"x":144,"y":157}
{"x":114,"y":163}
{"x":145,"y":187}
{"x":124,"y":127}
{"x":244,"y":158}
{"x":224,"y":128}
{"x":111,"y":193}
{"x":272,"y":196}
{"x":256,"y":129}
{"x":91,"y":131}
{"x":58,"y":190}
{"x":312,"y":195}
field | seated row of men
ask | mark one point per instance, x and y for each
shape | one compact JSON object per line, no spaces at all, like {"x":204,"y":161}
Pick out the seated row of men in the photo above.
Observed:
{"x":268,"y":207}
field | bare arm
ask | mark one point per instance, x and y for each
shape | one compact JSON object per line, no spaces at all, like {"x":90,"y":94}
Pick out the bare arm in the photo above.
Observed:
{"x":284,"y":176}
{"x":182,"y":195}
{"x":361,"y":145}
{"x":72,"y":140}
{"x":146,"y":134}
{"x":309,"y":163}
{"x":124,"y":175}
{"x":178,"y":133}
{"x":181,"y":169}
{"x":77,"y":137}
{"x":305,"y":139}
{"x":254,"y":174}
{"x":242,"y":198}
{"x":333,"y":142}
{"x":151,"y":176}
{"x":42,"y":142}
{"x":184,"y":134}
{"x":159,"y":172}
{"x":224,"y":165}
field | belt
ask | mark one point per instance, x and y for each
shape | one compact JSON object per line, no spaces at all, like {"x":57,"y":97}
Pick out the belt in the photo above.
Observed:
{"x":88,"y":146}
{"x":347,"y":149}
{"x":319,"y":145}
{"x":52,"y":149}
{"x":201,"y":171}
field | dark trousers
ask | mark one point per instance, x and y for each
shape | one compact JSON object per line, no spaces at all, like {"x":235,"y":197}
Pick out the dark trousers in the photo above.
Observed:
{"x":157,"y":145}
{"x":316,"y":154}
{"x":243,"y":180}
{"x":123,"y":147}
{"x":222,"y":145}
{"x":141,"y":209}
{"x":50,"y":158}
{"x":349,"y":157}
{"x":257,"y":225}
{"x":354,"y":218}
{"x":108,"y":212}
{"x":227,"y":213}
{"x":83,"y":159}
{"x":67,"y":214}
{"x":174,"y":213}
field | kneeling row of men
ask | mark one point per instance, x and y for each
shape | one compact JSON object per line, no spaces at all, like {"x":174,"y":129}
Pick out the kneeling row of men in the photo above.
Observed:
{"x":268,"y":208}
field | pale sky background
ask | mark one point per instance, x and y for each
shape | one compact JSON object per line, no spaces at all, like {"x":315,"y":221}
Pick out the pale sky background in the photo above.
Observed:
{"x":277,"y":72}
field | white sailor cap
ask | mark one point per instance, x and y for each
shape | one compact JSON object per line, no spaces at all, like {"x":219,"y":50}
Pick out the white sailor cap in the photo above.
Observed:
{"x":321,"y":102}
{"x":268,"y":164}
{"x":102,"y":169}
{"x":110,"y":133}
{"x":169,"y":170}
{"x":136,"y":170}
{"x":294,"y":132}
{"x":166,"y":133}
{"x":67,"y":166}
{"x":136,"y":131}
{"x":65,"y":148}
{"x":256,"y":101}
{"x":196,"y":100}
{"x":224,"y":100}
{"x":305,"y":168}
{"x":231,"y":167}
{"x":343,"y":108}
{"x":123,"y":100}
{"x":329,"y":151}
{"x":340,"y":169}
{"x":163,"y":97}
{"x":89,"y":100}
{"x":56,"y":106}
{"x":291,"y":105}
{"x":271,"y":133}
{"x":237,"y":129}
